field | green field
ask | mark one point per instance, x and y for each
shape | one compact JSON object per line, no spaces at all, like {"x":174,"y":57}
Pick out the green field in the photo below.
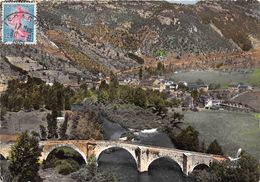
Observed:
{"x":233,"y":130}
{"x":255,"y":77}
{"x":223,"y":78}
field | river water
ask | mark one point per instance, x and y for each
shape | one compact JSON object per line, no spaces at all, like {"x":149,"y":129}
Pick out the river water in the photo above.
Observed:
{"x":122,"y":164}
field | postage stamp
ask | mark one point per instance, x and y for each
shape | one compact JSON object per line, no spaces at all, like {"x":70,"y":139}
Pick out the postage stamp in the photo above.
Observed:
{"x":19,"y":22}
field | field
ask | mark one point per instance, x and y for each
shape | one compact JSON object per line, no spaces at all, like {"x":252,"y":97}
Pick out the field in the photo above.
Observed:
{"x":218,"y":77}
{"x":255,"y":77}
{"x":233,"y":130}
{"x":251,"y":98}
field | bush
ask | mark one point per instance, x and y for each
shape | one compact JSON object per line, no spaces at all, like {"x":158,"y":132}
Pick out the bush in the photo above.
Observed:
{"x":215,"y":148}
{"x":91,"y":173}
{"x":66,"y":166}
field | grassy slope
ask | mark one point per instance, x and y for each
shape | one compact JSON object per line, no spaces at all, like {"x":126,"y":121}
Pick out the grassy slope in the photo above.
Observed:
{"x":233,"y":130}
{"x":255,"y":77}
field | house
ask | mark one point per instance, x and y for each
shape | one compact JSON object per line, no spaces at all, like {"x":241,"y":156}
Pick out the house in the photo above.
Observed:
{"x":210,"y":103}
{"x":153,"y":84}
{"x":243,"y":87}
{"x":129,"y":81}
{"x":49,"y":83}
{"x":170,"y":86}
{"x":60,"y":119}
{"x":74,"y":86}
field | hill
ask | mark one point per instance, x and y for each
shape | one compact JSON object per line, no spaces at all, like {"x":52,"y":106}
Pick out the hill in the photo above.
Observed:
{"x":87,"y":38}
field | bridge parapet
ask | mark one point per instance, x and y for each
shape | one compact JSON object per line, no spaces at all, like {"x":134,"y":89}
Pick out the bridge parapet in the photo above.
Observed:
{"x":143,"y":155}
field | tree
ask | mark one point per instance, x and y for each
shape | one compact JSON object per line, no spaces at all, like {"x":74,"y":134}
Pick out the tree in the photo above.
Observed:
{"x":63,"y":127}
{"x":188,"y":139}
{"x":140,"y":73}
{"x":24,"y":159}
{"x":103,"y":85}
{"x":52,"y":124}
{"x":2,"y":112}
{"x":194,"y":94}
{"x":160,"y":67}
{"x":103,"y":96}
{"x":43,"y":132}
{"x":215,"y":148}
{"x":87,"y":126}
{"x":113,"y":81}
{"x":113,"y":87}
{"x":247,"y":169}
{"x":140,"y":98}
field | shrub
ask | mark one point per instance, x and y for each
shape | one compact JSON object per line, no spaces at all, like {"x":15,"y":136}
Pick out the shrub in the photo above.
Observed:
{"x":66,"y":166}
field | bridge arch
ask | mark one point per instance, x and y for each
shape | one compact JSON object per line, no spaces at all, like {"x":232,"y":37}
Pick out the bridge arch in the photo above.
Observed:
{"x":200,"y":166}
{"x":46,"y":154}
{"x":173,"y":160}
{"x":131,"y":152}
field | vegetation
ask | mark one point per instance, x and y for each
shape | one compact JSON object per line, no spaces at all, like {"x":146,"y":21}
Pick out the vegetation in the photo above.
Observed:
{"x":43,"y":132}
{"x":113,"y":92}
{"x":140,"y":73}
{"x":246,"y":169}
{"x":93,"y":130}
{"x":24,"y":159}
{"x":52,"y":124}
{"x":2,"y":112}
{"x":214,"y":86}
{"x":160,"y":53}
{"x":65,"y":160}
{"x":93,"y":173}
{"x":81,"y":58}
{"x":255,"y":77}
{"x":63,"y":128}
{"x":138,"y":59}
{"x":35,"y":94}
{"x":215,"y":148}
{"x":188,"y":139}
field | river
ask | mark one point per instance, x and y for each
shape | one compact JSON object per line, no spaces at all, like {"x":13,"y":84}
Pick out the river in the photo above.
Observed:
{"x":123,"y":165}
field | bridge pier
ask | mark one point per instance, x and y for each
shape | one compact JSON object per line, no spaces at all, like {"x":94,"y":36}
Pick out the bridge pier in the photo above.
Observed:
{"x":143,"y":155}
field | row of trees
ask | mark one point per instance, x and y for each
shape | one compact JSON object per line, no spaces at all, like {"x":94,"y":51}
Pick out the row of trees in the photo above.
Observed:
{"x":85,"y":125}
{"x":35,"y":94}
{"x":113,"y":92}
{"x":53,"y":132}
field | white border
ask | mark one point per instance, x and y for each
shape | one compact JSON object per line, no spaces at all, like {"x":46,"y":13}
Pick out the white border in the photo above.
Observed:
{"x":35,"y":26}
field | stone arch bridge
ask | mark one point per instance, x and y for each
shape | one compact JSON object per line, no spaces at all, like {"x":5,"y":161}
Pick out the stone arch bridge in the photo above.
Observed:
{"x":142,"y":154}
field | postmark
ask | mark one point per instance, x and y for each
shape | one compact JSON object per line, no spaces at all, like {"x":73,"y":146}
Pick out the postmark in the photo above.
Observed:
{"x":19,"y":22}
